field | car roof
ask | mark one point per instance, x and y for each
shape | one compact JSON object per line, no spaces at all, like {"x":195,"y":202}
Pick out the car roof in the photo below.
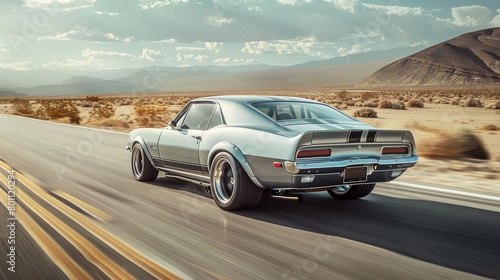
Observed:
{"x":246,"y":99}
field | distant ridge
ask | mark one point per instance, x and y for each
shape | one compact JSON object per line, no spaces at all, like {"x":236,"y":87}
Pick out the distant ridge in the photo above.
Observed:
{"x":8,"y":93}
{"x":469,"y":59}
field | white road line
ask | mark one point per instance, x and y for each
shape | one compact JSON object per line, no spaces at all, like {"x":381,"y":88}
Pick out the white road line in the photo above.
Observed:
{"x":446,"y":191}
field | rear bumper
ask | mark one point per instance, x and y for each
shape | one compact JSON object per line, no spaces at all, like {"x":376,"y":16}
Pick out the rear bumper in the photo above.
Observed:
{"x":310,"y":175}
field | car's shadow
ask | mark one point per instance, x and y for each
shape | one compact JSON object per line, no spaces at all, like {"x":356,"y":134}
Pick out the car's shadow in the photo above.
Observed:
{"x":458,"y":237}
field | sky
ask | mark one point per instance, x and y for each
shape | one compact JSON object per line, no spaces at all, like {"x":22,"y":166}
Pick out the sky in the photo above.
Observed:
{"x":103,"y":34}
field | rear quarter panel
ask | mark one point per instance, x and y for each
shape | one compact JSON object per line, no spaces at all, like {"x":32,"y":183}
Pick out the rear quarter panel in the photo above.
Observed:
{"x":260,"y":147}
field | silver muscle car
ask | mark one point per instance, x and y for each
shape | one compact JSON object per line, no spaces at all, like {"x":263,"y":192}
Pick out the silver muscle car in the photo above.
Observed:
{"x":237,"y":147}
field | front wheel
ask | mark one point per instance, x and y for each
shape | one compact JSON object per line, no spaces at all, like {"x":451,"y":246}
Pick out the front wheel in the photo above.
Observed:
{"x":142,"y":169}
{"x":230,"y":185}
{"x":348,"y":192}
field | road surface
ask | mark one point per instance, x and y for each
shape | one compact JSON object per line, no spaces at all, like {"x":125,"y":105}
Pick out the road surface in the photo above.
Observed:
{"x":79,"y":213}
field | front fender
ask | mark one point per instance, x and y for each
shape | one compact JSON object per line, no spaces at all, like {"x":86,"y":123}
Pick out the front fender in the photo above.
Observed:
{"x":142,"y":142}
{"x":237,"y":154}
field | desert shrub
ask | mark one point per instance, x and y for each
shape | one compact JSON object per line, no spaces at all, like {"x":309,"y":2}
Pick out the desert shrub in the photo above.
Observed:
{"x":494,"y":105}
{"x":399,"y":105}
{"x":365,"y":96}
{"x":150,"y":115}
{"x":388,"y":104}
{"x":340,"y":106}
{"x":489,"y":127}
{"x":370,"y":103}
{"x":342,"y":95}
{"x":22,"y":107}
{"x":365,"y":113}
{"x":92,"y":98}
{"x":415,"y":103}
{"x":59,"y":109}
{"x":385,"y":103}
{"x":100,"y":113}
{"x":350,"y":103}
{"x":453,"y":144}
{"x":472,"y":102}
{"x":110,"y":123}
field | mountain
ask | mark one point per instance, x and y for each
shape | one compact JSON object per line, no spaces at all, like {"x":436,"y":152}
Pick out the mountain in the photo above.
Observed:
{"x":8,"y":93}
{"x":469,"y":59}
{"x":337,"y":72}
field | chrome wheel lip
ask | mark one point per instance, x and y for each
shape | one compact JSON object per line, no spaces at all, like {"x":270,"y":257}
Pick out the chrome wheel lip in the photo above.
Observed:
{"x":341,"y":189}
{"x":137,"y":161}
{"x":223,"y":182}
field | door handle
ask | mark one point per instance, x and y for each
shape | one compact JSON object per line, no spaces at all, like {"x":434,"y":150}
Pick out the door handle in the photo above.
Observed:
{"x":196,"y":137}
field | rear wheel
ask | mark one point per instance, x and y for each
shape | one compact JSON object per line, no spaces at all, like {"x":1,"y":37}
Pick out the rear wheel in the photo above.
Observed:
{"x":142,"y":169}
{"x":348,"y":192}
{"x":230,"y":185}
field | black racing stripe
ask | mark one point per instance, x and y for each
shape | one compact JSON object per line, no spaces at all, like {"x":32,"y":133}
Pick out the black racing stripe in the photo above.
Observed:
{"x":355,"y":136}
{"x":371,"y":136}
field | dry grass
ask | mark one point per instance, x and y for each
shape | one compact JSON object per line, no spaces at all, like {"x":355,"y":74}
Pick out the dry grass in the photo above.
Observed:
{"x":365,"y":113}
{"x":114,"y":123}
{"x":101,"y":112}
{"x":453,"y":144}
{"x":388,"y":104}
{"x":490,"y":127}
{"x":415,"y":103}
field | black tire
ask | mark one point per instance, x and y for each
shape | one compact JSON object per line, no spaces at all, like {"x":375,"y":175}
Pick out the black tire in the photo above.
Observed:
{"x":142,"y":169}
{"x":348,"y":192}
{"x":230,"y":186}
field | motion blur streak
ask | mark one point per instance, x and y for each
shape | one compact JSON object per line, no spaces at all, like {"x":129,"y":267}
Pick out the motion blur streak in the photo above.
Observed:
{"x":49,"y":245}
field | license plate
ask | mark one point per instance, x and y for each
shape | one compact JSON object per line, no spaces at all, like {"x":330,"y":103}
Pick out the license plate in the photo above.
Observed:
{"x":355,"y":174}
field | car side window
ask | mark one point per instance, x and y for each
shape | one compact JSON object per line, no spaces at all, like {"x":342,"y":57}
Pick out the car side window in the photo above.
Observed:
{"x":216,"y":119}
{"x":198,"y":116}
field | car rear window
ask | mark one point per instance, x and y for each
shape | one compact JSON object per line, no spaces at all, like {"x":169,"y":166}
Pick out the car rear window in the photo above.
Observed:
{"x":289,"y":111}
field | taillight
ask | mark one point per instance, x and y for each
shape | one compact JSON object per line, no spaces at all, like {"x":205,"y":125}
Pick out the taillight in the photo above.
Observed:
{"x":395,"y":150}
{"x":314,"y":153}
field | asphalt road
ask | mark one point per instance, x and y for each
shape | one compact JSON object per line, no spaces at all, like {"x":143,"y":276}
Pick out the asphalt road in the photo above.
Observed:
{"x":394,"y":233}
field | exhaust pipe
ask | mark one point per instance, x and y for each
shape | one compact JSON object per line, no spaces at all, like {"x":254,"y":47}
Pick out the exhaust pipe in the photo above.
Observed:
{"x":295,"y":197}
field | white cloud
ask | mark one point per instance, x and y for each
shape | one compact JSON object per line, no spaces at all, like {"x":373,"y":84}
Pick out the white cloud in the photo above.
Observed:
{"x":72,"y":63}
{"x":170,"y":41}
{"x":471,"y":15}
{"x":293,"y":2}
{"x":3,"y":49}
{"x":255,"y":8}
{"x":303,"y":46}
{"x":152,"y":55}
{"x":160,"y":3}
{"x":83,"y":34}
{"x":106,"y":13}
{"x":59,"y":4}
{"x":396,"y":10}
{"x":235,"y":61}
{"x":18,"y":66}
{"x":191,"y":57}
{"x":92,"y":53}
{"x":218,"y":20}
{"x":496,"y":20}
{"x":214,"y":46}
{"x":354,"y":50}
{"x":348,"y":5}
{"x":194,"y":49}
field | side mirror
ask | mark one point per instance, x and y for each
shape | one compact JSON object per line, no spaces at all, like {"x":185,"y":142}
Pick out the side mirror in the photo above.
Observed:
{"x":172,"y":124}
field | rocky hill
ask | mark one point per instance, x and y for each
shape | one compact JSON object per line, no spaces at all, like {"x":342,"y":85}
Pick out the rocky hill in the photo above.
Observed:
{"x":469,"y":59}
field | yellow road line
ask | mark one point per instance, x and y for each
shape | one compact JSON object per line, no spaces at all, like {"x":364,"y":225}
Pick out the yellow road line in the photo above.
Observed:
{"x":47,"y":243}
{"x":88,"y":250}
{"x":130,"y":253}
{"x":96,"y":213}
